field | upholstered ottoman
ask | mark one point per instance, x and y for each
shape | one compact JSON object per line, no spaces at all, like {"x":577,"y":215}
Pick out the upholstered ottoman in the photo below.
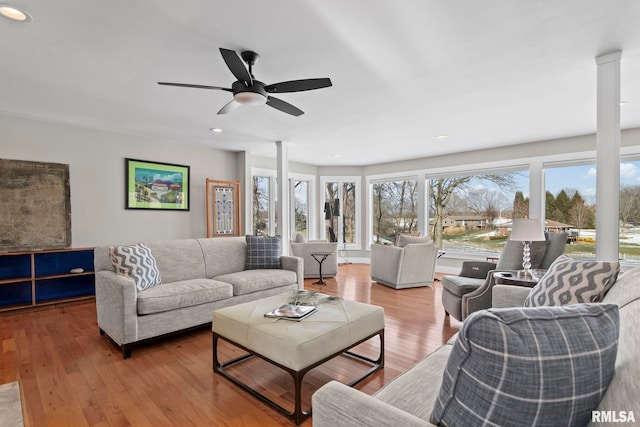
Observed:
{"x":297,"y":347}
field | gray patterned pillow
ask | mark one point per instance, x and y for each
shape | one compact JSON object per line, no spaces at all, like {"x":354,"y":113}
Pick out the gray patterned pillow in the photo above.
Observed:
{"x":529,"y":366}
{"x":569,"y":281}
{"x":263,"y":252}
{"x":136,"y":262}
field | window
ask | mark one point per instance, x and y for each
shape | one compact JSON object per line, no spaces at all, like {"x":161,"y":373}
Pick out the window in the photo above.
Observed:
{"x":300,"y":217}
{"x":474,"y":212}
{"x":394,"y":209}
{"x":261,"y":205}
{"x":629,"y":241}
{"x":570,"y":206}
{"x":342,"y":210}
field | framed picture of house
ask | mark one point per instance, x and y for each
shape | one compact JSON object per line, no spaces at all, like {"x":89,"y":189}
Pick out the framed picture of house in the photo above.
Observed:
{"x":223,"y":208}
{"x":153,"y":185}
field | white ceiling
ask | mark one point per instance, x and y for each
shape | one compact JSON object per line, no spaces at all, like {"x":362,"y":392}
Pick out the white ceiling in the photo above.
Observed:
{"x":486,"y":73}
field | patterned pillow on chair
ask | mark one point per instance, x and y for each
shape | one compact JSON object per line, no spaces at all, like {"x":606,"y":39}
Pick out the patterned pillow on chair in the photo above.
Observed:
{"x":569,"y":281}
{"x":136,"y":262}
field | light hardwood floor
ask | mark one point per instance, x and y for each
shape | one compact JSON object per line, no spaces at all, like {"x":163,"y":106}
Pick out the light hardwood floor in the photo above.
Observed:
{"x":70,"y":375}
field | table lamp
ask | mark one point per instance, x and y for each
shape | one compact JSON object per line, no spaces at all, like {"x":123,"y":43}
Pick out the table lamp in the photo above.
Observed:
{"x":527,"y":231}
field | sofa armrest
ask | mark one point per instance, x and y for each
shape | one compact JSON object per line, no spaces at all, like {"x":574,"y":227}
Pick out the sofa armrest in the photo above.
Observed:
{"x":509,"y":296}
{"x":295,"y":264}
{"x":116,"y":306}
{"x":336,"y":404}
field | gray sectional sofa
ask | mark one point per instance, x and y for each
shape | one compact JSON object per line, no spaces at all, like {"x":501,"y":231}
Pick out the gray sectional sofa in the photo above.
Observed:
{"x":198,"y":276}
{"x":409,"y":399}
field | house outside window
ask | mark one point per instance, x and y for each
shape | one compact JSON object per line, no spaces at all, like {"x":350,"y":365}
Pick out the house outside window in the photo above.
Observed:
{"x":570,"y":206}
{"x":473,"y":213}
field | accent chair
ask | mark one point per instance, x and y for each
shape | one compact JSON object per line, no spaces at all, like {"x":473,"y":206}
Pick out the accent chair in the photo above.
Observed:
{"x":471,"y":290}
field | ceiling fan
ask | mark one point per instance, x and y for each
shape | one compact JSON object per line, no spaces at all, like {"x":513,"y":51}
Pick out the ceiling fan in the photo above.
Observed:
{"x":248,"y":90}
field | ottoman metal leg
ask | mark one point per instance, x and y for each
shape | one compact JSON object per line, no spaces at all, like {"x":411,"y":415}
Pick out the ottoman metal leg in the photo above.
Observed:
{"x":298,"y":415}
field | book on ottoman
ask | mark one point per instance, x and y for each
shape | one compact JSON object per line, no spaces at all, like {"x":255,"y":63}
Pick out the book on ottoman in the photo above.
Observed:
{"x":292,"y":312}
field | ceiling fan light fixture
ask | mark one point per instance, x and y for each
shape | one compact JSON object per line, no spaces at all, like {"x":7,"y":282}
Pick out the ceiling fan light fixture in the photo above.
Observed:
{"x":250,"y":98}
{"x":15,"y":14}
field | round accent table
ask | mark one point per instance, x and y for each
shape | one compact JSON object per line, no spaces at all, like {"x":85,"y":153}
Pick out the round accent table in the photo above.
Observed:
{"x":518,"y":278}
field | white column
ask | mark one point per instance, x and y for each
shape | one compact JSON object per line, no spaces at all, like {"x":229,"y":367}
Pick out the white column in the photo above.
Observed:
{"x":537,"y":194}
{"x":243,"y":163}
{"x":283,"y":196}
{"x":608,"y":157}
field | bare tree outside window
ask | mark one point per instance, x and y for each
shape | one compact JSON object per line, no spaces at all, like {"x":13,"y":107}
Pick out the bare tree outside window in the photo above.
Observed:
{"x":394,"y":209}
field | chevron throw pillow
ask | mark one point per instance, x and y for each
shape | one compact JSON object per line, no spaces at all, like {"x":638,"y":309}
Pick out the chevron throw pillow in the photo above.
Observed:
{"x":137,"y":263}
{"x":569,"y":281}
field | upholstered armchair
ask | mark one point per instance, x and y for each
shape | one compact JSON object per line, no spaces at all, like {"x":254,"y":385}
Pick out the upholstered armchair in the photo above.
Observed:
{"x":303,"y":248}
{"x":471,"y":290}
{"x":407,"y":266}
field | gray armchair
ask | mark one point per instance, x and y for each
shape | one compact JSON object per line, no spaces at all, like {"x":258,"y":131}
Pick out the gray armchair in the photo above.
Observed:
{"x":471,"y":290}
{"x":409,"y":266}
{"x":303,"y":249}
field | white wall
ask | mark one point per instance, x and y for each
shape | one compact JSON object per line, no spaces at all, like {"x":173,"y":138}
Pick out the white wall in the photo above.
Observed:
{"x":97,"y":175}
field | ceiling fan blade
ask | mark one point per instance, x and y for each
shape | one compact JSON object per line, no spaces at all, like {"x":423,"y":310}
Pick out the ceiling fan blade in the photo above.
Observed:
{"x":298,"y":85}
{"x":236,"y":66}
{"x":195,"y":86}
{"x":229,"y":107}
{"x":283,"y":106}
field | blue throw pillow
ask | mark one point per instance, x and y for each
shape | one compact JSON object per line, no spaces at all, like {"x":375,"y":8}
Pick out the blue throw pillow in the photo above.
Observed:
{"x":529,"y":366}
{"x":263,"y":252}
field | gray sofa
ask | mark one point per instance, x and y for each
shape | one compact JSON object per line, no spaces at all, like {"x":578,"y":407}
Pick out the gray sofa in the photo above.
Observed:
{"x":409,"y":399}
{"x":198,"y":276}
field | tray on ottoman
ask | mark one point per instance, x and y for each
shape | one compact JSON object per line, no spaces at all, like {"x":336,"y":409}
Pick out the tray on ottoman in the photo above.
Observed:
{"x":297,"y":347}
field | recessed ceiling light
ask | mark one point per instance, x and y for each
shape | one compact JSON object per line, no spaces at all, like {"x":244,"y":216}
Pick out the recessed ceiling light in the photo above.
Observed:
{"x":623,"y":103}
{"x":216,"y":130}
{"x":337,"y":155}
{"x":15,"y":14}
{"x":442,"y":136}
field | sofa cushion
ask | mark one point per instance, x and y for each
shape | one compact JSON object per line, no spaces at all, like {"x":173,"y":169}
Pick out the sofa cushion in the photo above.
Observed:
{"x":569,"y":281}
{"x":248,"y":281}
{"x":529,"y":366}
{"x":136,"y":262}
{"x":178,"y":259}
{"x":185,"y":293}
{"x":415,"y":390}
{"x":263,"y":252}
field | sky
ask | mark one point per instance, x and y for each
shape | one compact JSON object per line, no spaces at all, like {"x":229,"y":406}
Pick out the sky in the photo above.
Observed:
{"x":583,"y":178}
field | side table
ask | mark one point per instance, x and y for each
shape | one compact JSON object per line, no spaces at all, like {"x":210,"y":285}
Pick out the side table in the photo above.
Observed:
{"x":320,"y":257}
{"x":518,"y":278}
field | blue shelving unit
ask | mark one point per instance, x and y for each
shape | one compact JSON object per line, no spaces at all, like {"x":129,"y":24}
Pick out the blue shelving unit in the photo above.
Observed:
{"x":44,"y":278}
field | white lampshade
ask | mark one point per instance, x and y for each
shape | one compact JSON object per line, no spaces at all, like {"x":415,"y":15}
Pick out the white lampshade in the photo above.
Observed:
{"x":527,"y":230}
